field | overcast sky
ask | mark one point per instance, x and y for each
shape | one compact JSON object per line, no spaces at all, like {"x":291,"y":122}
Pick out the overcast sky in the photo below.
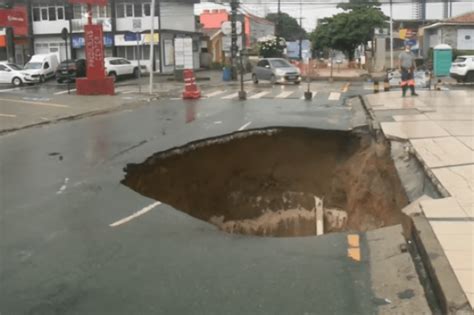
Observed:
{"x":311,"y":13}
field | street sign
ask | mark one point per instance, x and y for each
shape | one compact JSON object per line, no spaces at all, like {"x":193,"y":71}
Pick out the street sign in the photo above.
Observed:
{"x":226,"y":27}
{"x":136,"y":25}
{"x":227,"y":43}
{"x":132,"y":37}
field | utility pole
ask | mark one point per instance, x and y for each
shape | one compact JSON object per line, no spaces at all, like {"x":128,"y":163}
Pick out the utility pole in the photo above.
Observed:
{"x":391,"y":36}
{"x":301,"y":35}
{"x":152,"y":45}
{"x":233,"y":44}
{"x":278,"y":30}
{"x":159,"y":34}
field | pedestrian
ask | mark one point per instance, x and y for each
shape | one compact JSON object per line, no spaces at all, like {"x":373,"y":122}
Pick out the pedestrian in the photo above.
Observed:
{"x":407,"y":68}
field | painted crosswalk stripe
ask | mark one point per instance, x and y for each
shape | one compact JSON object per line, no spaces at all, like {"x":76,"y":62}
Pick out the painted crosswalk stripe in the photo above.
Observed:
{"x":334,"y":96}
{"x":215,"y":93}
{"x":228,"y":97}
{"x":64,"y":92}
{"x":259,"y":95}
{"x":284,"y":94}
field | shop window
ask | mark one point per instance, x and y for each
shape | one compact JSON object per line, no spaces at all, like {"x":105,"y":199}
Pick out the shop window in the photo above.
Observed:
{"x":52,"y":13}
{"x":137,"y":7}
{"x":36,"y":14}
{"x":77,"y":12}
{"x":60,"y":13}
{"x":120,"y":10}
{"x":146,"y":9}
{"x":128,"y":10}
{"x":44,"y":14}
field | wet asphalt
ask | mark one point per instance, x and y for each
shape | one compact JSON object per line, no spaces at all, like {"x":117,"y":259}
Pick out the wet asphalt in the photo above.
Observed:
{"x":61,"y":191}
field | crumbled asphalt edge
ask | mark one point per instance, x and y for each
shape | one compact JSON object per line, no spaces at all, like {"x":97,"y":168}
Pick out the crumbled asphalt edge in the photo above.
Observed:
{"x":424,"y":267}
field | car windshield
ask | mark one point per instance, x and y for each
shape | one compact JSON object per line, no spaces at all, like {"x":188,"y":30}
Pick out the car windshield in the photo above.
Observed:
{"x":33,"y":65}
{"x":280,"y":63}
{"x":460,"y":59}
{"x":14,"y":66}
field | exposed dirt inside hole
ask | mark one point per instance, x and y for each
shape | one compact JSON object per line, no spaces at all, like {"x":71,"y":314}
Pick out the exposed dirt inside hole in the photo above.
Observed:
{"x":266,"y":183}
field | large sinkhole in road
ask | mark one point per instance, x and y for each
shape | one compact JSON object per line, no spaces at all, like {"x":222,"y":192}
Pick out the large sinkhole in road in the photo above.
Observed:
{"x":267,"y":182}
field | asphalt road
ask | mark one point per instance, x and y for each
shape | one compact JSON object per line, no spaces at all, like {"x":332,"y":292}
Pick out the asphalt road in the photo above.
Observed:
{"x":61,"y":252}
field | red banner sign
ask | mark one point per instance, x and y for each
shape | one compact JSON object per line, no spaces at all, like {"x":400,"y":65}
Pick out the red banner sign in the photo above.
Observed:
{"x":15,"y":18}
{"x":96,"y":2}
{"x":94,"y":44}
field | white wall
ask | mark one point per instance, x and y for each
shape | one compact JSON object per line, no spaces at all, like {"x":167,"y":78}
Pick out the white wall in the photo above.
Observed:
{"x":465,"y":39}
{"x":49,"y":27}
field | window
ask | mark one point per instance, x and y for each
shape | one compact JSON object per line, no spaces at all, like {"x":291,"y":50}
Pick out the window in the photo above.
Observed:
{"x":120,"y":10}
{"x":36,"y":15}
{"x":146,"y":9}
{"x":77,"y":11}
{"x":467,"y":37}
{"x":137,"y":7}
{"x":44,"y":14}
{"x":60,"y":13}
{"x":126,"y":62}
{"x":128,"y":10}
{"x":3,"y":68}
{"x":46,"y":65}
{"x":262,"y":63}
{"x":52,"y":13}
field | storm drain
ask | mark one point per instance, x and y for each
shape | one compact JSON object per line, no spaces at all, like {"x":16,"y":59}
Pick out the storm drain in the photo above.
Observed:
{"x":269,"y":182}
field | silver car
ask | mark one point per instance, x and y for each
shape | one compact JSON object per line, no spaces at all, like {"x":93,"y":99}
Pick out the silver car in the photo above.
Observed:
{"x":276,"y":70}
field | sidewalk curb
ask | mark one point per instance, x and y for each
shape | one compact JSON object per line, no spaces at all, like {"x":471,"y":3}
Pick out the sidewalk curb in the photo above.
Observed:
{"x":446,"y":286}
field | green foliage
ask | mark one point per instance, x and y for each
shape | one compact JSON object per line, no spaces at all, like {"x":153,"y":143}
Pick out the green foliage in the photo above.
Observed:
{"x":347,"y":30}
{"x":290,"y":29}
{"x":270,"y":49}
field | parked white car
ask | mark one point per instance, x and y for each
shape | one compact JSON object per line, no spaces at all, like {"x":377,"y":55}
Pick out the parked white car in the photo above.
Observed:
{"x":11,"y":73}
{"x":462,"y":69}
{"x":119,"y":67}
{"x":43,"y":66}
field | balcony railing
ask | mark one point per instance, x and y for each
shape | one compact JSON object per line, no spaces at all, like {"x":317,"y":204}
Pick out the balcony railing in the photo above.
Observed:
{"x":78,"y":25}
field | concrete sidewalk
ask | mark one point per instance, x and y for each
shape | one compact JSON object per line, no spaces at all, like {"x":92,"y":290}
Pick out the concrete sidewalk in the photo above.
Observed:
{"x":438,"y":127}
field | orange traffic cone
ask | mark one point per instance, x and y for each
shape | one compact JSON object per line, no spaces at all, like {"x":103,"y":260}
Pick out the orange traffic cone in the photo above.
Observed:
{"x":191,"y":90}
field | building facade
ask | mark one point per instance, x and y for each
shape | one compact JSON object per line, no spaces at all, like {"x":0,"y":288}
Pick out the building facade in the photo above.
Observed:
{"x":126,"y":25}
{"x":457,"y":32}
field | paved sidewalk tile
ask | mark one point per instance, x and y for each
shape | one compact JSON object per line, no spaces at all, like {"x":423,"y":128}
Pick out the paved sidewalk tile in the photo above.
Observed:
{"x":449,"y":151}
{"x":413,"y":129}
{"x":459,"y":182}
{"x":454,"y":228}
{"x":410,"y":117}
{"x":468,"y":141}
{"x":460,"y":260}
{"x":457,"y":128}
{"x":442,"y":208}
{"x":466,"y":278}
{"x":458,"y":242}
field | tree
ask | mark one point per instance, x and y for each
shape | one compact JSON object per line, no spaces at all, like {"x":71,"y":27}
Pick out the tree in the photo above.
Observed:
{"x":290,"y":29}
{"x":270,"y":48}
{"x":347,"y":30}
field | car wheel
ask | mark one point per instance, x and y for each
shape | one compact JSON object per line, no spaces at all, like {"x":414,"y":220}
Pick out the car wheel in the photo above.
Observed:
{"x":297,"y":82}
{"x":59,"y":80}
{"x":136,"y":73}
{"x":254,"y":79}
{"x":272,"y":79}
{"x":17,"y":81}
{"x":113,"y":75}
{"x":470,"y":76}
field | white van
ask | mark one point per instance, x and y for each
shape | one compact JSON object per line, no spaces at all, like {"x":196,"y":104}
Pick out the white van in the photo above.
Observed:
{"x":42,"y":67}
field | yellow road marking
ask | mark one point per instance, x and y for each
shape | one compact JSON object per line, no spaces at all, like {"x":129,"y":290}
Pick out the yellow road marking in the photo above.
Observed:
{"x":7,"y":115}
{"x":354,"y":253}
{"x":34,"y":103}
{"x":353,"y":240}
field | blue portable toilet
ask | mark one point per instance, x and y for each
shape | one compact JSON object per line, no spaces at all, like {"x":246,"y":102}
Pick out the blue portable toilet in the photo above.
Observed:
{"x":442,"y":59}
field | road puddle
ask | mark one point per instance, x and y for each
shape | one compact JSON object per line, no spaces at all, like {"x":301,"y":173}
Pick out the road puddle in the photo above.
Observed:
{"x":268,"y":182}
